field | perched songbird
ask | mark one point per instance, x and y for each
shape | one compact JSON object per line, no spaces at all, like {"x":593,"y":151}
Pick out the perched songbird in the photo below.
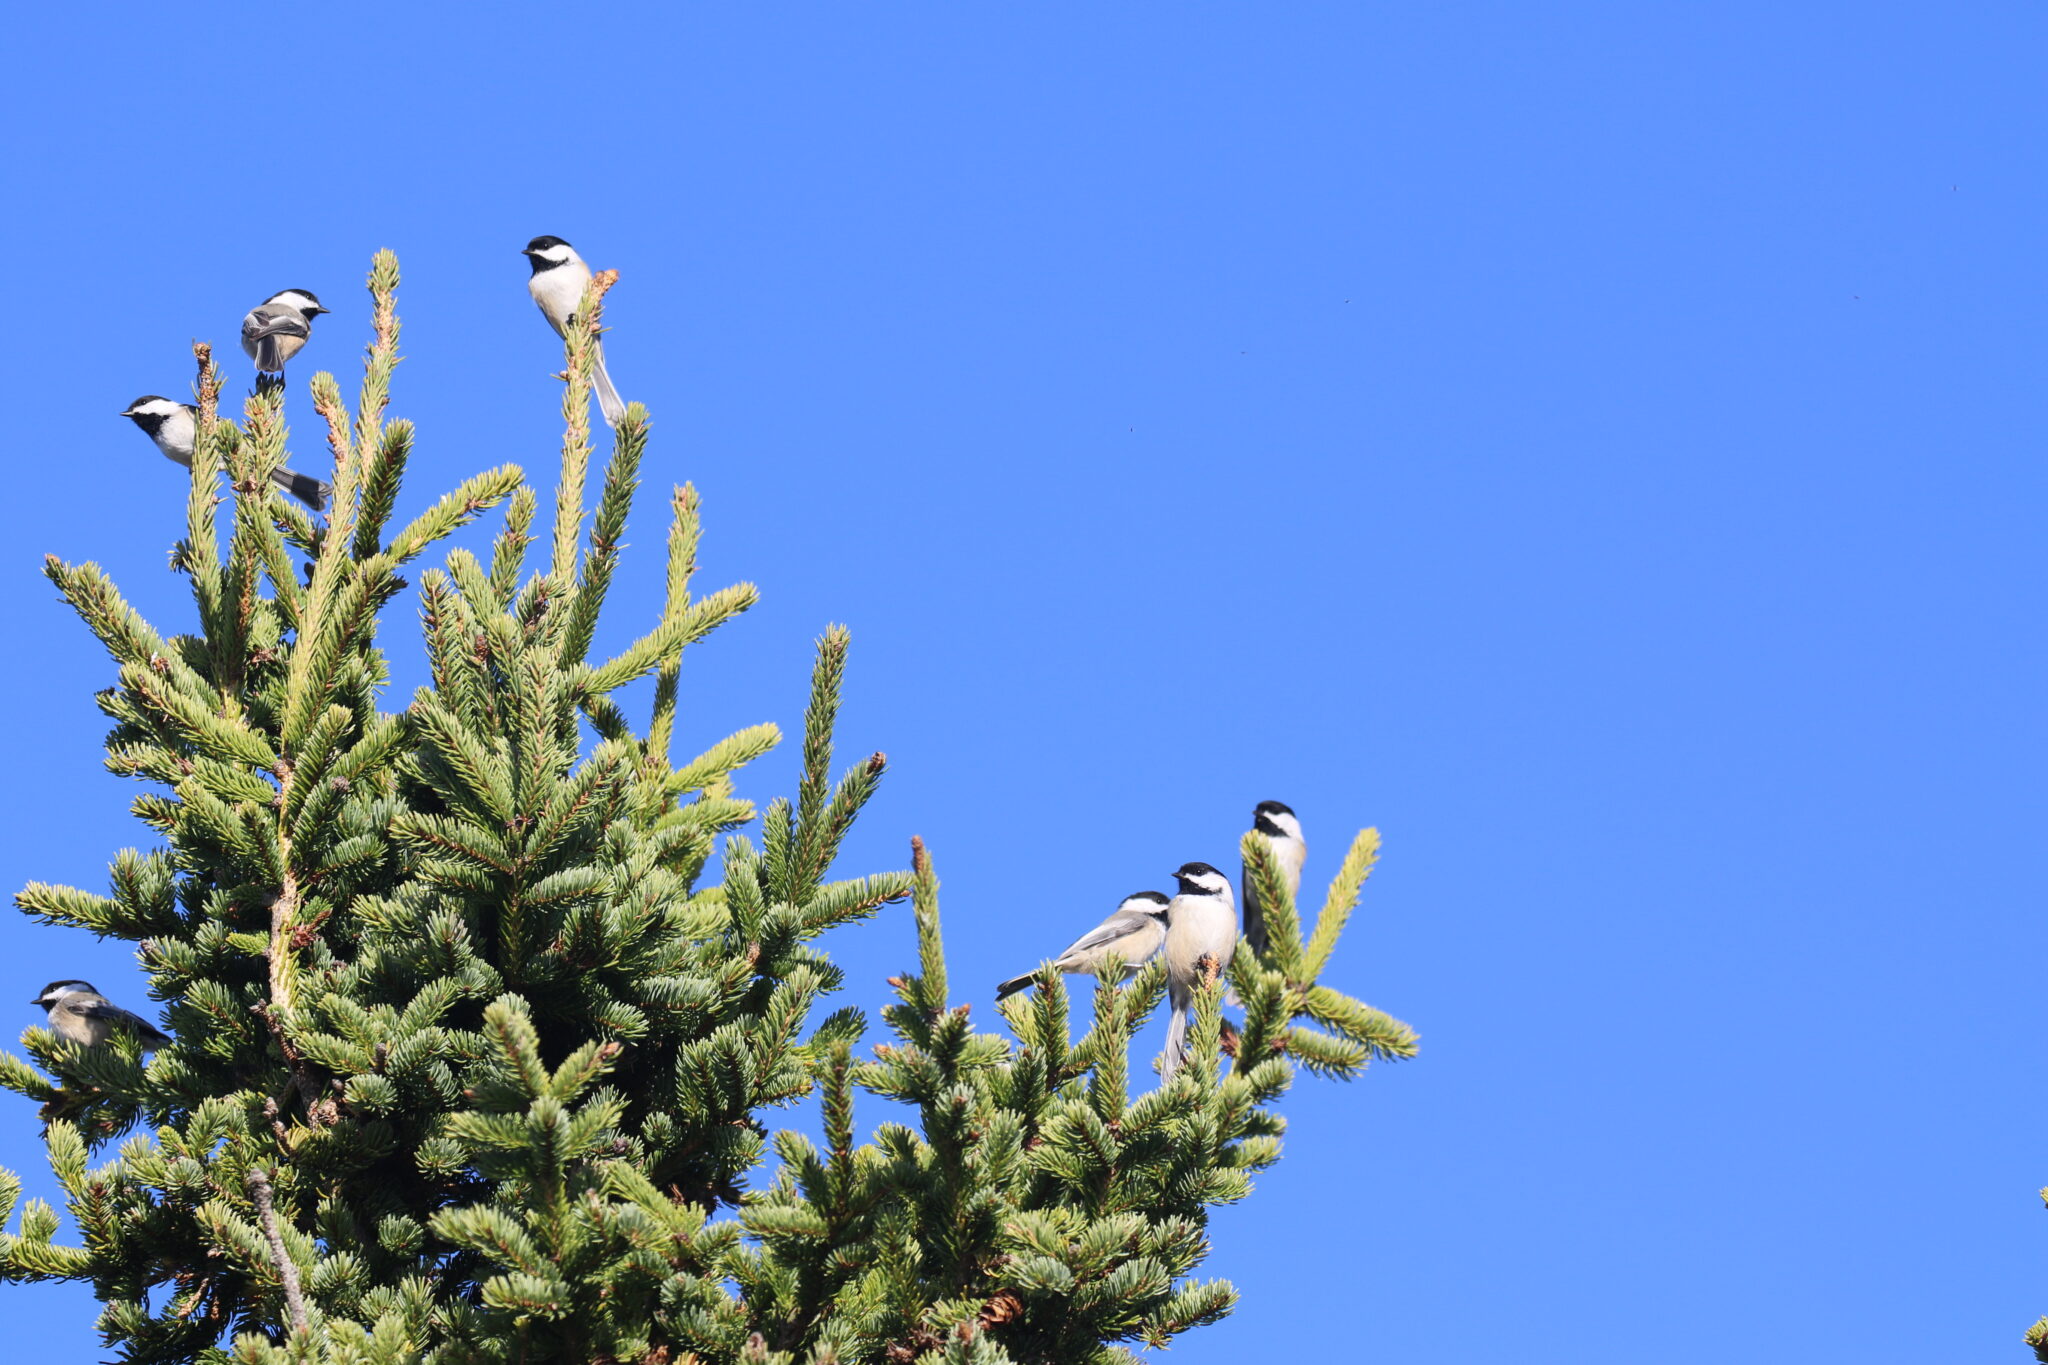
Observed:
{"x":175,"y":429}
{"x":557,"y":284}
{"x":83,"y":1015}
{"x":1133,"y":932}
{"x":1201,"y":921}
{"x":1283,"y":835}
{"x":276,"y":328}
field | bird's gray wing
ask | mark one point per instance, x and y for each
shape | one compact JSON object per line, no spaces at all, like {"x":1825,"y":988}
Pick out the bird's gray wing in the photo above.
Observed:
{"x":260,"y":329}
{"x":265,"y":322}
{"x":1120,"y":925}
{"x":114,"y":1014}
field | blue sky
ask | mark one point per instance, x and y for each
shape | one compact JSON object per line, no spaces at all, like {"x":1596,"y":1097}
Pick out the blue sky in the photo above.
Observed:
{"x":1598,"y":444}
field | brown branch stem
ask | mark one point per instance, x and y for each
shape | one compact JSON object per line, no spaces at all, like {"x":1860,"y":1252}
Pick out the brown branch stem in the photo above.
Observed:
{"x":261,"y":1192}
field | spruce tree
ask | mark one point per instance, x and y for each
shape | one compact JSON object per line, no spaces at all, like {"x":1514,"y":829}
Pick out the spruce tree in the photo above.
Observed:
{"x":473,"y":1064}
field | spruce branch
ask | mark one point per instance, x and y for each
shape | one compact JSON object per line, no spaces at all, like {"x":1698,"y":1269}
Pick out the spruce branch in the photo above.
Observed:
{"x":1337,"y":907}
{"x":392,"y":448}
{"x":683,"y":534}
{"x":262,"y":1194}
{"x":621,"y":478}
{"x":341,"y":442}
{"x":668,"y":639}
{"x":375,"y":396}
{"x":508,"y":552}
{"x":928,"y":992}
{"x":127,"y":637}
{"x":580,"y":343}
{"x":200,"y":556}
{"x":470,"y":499}
{"x":1283,"y":926}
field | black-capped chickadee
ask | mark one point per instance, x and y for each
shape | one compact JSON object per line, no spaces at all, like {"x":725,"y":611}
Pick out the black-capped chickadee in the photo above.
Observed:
{"x":1133,"y":932}
{"x":557,"y":284}
{"x":175,"y":429}
{"x":1201,"y":921}
{"x":1283,"y":835}
{"x":276,"y":328}
{"x":83,"y":1015}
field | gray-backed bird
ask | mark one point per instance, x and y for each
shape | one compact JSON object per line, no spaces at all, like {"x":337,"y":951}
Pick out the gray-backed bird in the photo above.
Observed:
{"x":83,"y":1015}
{"x":276,"y":328}
{"x":1134,"y":931}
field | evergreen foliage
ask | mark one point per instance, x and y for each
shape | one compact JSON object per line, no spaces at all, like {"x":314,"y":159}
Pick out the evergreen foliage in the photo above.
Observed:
{"x":471,"y":1062}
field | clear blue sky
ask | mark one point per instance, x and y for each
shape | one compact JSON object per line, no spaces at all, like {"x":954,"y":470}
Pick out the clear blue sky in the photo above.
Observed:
{"x":1597,"y":443}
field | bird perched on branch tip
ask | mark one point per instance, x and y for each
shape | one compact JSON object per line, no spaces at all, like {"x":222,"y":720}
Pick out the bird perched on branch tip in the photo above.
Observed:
{"x":1201,"y":927}
{"x":557,"y":283}
{"x":1133,"y":931}
{"x":275,"y":330}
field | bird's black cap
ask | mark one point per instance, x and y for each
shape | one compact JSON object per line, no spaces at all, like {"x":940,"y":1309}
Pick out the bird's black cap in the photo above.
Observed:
{"x":1189,"y":871}
{"x":1263,"y":813}
{"x":542,"y":244}
{"x":1155,"y":897}
{"x":318,"y":307}
{"x":62,"y":981}
{"x":153,"y":422}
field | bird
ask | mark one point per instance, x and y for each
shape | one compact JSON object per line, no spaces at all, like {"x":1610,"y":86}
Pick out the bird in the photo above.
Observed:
{"x":175,"y":429}
{"x":1201,"y":922}
{"x":1283,"y":835}
{"x":82,"y":1015}
{"x":276,"y":328}
{"x":1133,"y":931}
{"x":557,"y":284}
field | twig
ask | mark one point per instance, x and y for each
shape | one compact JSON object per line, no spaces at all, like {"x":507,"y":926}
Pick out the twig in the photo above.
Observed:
{"x":287,"y":1269}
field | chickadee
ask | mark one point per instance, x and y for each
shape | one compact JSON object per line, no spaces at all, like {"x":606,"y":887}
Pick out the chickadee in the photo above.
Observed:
{"x":1201,"y":921}
{"x":557,"y":284}
{"x":1283,"y":835}
{"x":1133,"y":932}
{"x":83,"y":1015}
{"x":175,"y":429}
{"x":276,"y":328}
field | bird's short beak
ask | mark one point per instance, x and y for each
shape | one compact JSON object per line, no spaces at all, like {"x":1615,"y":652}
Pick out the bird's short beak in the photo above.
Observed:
{"x":524,"y":251}
{"x":322,"y":310}
{"x":37,"y":1001}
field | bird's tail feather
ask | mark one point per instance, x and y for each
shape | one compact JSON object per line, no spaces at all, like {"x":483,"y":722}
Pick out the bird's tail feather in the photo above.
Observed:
{"x":608,"y":401}
{"x":305,"y":488}
{"x":1254,"y":920}
{"x":1176,"y":1042}
{"x":1015,"y":984}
